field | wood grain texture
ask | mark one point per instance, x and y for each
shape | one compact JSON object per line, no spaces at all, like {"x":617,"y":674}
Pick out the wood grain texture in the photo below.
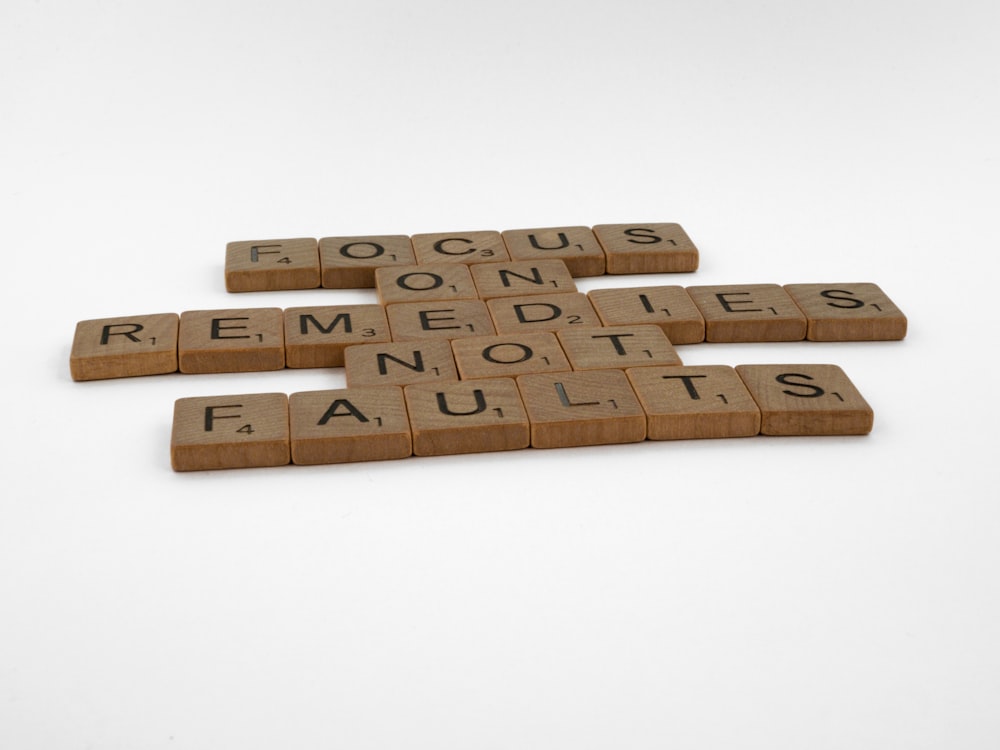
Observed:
{"x":577,"y":247}
{"x":647,"y":248}
{"x":518,"y":278}
{"x":541,"y":312}
{"x":235,"y":340}
{"x":669,"y":307}
{"x":848,"y":312}
{"x":422,"y":283}
{"x":446,"y":319}
{"x":481,"y":246}
{"x":270,"y":265}
{"x":604,"y":348}
{"x":508,"y":355}
{"x":124,"y":347}
{"x":748,"y":312}
{"x":399,"y":363}
{"x":351,"y":262}
{"x":317,"y":336}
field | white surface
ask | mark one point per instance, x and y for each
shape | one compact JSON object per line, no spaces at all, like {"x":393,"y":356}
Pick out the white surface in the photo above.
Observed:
{"x":764,"y":593}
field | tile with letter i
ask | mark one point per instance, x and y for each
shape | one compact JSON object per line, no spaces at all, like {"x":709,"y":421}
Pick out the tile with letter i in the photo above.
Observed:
{"x":447,"y":319}
{"x":750,"y":312}
{"x":669,"y":307}
{"x":848,"y":312}
{"x":246,"y":340}
{"x":647,"y":248}
{"x":124,"y":347}
{"x":416,"y":283}
{"x":577,"y":247}
{"x":230,"y":432}
{"x":318,"y":336}
{"x":598,"y":348}
{"x":459,"y":247}
{"x":510,"y":355}
{"x":542,"y":312}
{"x":351,"y":262}
{"x":399,"y":363}
{"x":270,"y":265}
{"x":806,"y":400}
{"x":517,"y":278}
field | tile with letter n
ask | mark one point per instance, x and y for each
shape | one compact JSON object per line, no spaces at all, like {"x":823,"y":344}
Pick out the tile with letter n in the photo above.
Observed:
{"x":575,"y":246}
{"x":124,"y":347}
{"x":691,"y":402}
{"x":509,"y":355}
{"x":848,"y":312}
{"x":591,"y":407}
{"x":348,"y":424}
{"x":230,"y":432}
{"x":416,"y":283}
{"x":599,"y":348}
{"x":517,"y":278}
{"x":807,"y":400}
{"x":317,"y":336}
{"x":351,"y":262}
{"x":647,"y":248}
{"x":399,"y":363}
{"x":669,"y":307}
{"x":244,"y":340}
{"x":737,"y":313}
{"x":474,"y":416}
{"x":446,"y":319}
{"x":459,"y":247}
{"x":270,"y":265}
{"x":542,"y":312}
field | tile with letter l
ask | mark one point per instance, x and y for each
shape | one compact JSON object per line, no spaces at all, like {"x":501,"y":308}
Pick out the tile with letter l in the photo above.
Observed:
{"x":399,"y":363}
{"x":271,"y":265}
{"x":509,"y":355}
{"x":124,"y":347}
{"x":517,"y":278}
{"x":459,"y":247}
{"x":807,"y":400}
{"x":416,"y":283}
{"x":599,"y":348}
{"x":243,"y":340}
{"x":351,"y":262}
{"x":318,"y":336}
{"x":542,"y":312}
{"x":647,"y":248}
{"x":669,"y":307}
{"x":848,"y":312}
{"x":577,"y":247}
{"x":737,"y":313}
{"x":230,"y":432}
{"x":446,"y":319}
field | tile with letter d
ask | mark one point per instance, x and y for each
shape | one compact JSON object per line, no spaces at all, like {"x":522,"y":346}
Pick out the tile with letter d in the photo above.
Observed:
{"x":399,"y":363}
{"x":270,"y":265}
{"x":669,"y":307}
{"x":647,"y":248}
{"x":351,"y":262}
{"x":750,"y":312}
{"x":244,"y":340}
{"x":459,"y":247}
{"x":848,"y":312}
{"x":124,"y":347}
{"x":577,"y":247}
{"x":600,"y":348}
{"x":542,"y":312}
{"x":509,"y":355}
{"x":318,"y":336}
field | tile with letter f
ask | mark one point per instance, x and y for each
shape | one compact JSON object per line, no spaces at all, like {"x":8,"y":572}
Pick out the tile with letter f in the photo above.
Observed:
{"x":270,"y":265}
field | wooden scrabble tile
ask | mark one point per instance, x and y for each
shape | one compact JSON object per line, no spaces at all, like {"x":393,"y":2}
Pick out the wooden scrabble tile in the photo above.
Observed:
{"x":459,"y":247}
{"x":542,"y":312}
{"x":684,"y":403}
{"x":317,"y":336}
{"x":592,"y":407}
{"x":398,"y":363}
{"x":230,"y":432}
{"x":598,"y":348}
{"x":124,"y":347}
{"x":806,"y":400}
{"x":848,"y":312}
{"x":508,"y":355}
{"x":467,"y":417}
{"x":350,"y":262}
{"x":243,"y":340}
{"x":647,"y":248}
{"x":669,"y":307}
{"x":410,"y":321}
{"x":749,"y":312}
{"x":420,"y":283}
{"x":348,"y":424}
{"x":269,"y":265}
{"x":576,"y":246}
{"x":518,"y":278}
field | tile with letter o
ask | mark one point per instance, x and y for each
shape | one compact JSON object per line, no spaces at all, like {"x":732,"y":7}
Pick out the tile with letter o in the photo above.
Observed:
{"x":270,"y":265}
{"x":509,"y":355}
{"x":351,"y":262}
{"x":124,"y":347}
{"x":421,"y":283}
{"x":848,"y":312}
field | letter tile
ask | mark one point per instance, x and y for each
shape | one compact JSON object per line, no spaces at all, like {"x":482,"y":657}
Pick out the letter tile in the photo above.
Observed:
{"x":669,"y":307}
{"x":421,"y":283}
{"x":848,"y":312}
{"x":412,"y":321}
{"x":317,"y":336}
{"x":350,"y":262}
{"x":748,"y":312}
{"x":518,"y":278}
{"x":399,"y":363}
{"x":647,"y":248}
{"x":598,"y":348}
{"x":576,"y":246}
{"x":542,"y":312}
{"x":124,"y":347}
{"x":459,"y":247}
{"x":508,"y":355}
{"x":270,"y":265}
{"x":243,"y":340}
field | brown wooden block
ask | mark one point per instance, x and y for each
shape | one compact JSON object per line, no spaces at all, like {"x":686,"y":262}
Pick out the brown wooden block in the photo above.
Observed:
{"x":848,"y":312}
{"x":684,"y":403}
{"x":647,"y":248}
{"x":239,"y":340}
{"x":576,"y":246}
{"x":592,"y":407}
{"x":348,"y":424}
{"x":748,"y":312}
{"x":420,"y":283}
{"x":269,"y":265}
{"x":542,"y":312}
{"x":467,"y":417}
{"x":410,"y":321}
{"x":508,"y":355}
{"x":669,"y":307}
{"x":399,"y":363}
{"x":459,"y":247}
{"x":518,"y":278}
{"x":806,"y":400}
{"x":317,"y":336}
{"x":598,"y":348}
{"x":124,"y":347}
{"x":230,"y":432}
{"x":350,"y":262}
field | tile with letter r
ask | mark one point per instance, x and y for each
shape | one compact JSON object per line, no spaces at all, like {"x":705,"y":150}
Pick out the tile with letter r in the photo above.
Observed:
{"x":317,"y":336}
{"x":351,"y":262}
{"x":577,"y":247}
{"x":647,"y":248}
{"x":399,"y":363}
{"x":344,"y":425}
{"x":446,"y":319}
{"x":807,"y":400}
{"x":416,"y":283}
{"x":848,"y":312}
{"x":669,"y":307}
{"x":124,"y":347}
{"x":542,"y":312}
{"x":737,"y":313}
{"x":474,"y":416}
{"x":230,"y":432}
{"x":517,"y":278}
{"x":590,"y":407}
{"x":600,"y":348}
{"x":508,"y":355}
{"x":270,"y":265}
{"x":459,"y":247}
{"x":242,"y":340}
{"x":691,"y":402}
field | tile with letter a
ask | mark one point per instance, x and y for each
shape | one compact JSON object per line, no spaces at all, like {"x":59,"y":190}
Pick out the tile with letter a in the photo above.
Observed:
{"x":124,"y":347}
{"x":806,"y":400}
{"x":318,"y":336}
{"x":576,"y":246}
{"x":459,"y":247}
{"x":647,"y":248}
{"x":348,"y":424}
{"x":848,"y":312}
{"x":351,"y":262}
{"x":472,"y":416}
{"x":447,"y":319}
{"x":598,"y":348}
{"x":542,"y":312}
{"x":669,"y":307}
{"x":416,"y":283}
{"x":750,"y":312}
{"x":509,"y":355}
{"x":517,"y":278}
{"x":230,"y":432}
{"x":270,"y":265}
{"x":399,"y":363}
{"x":245,"y":340}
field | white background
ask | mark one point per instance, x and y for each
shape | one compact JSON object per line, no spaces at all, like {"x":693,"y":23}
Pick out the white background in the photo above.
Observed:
{"x":752,"y":593}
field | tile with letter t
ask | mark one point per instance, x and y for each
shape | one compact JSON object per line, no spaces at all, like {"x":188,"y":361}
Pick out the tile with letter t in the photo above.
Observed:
{"x":230,"y":432}
{"x":807,"y":400}
{"x":416,"y":283}
{"x":459,"y":247}
{"x":599,"y":348}
{"x":577,"y":247}
{"x":669,"y":307}
{"x":447,"y":319}
{"x":351,"y":262}
{"x":509,"y":355}
{"x":542,"y":312}
{"x":270,"y":265}
{"x":750,"y":312}
{"x":399,"y":363}
{"x":245,"y":340}
{"x":517,"y":278}
{"x":124,"y":347}
{"x":848,"y":312}
{"x":318,"y":336}
{"x":647,"y":248}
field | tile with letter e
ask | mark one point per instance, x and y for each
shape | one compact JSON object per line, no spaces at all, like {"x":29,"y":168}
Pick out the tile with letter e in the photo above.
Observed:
{"x":399,"y":363}
{"x":446,"y":319}
{"x":591,"y":407}
{"x":806,"y":400}
{"x":473,"y":416}
{"x":686,"y":403}
{"x":518,"y":278}
{"x":647,"y":248}
{"x":348,"y":424}
{"x":848,"y":312}
{"x":244,"y":340}
{"x":230,"y":432}
{"x":124,"y":347}
{"x":509,"y":355}
{"x":669,"y":307}
{"x":416,"y":283}
{"x":599,"y":348}
{"x":459,"y":247}
{"x":750,"y":312}
{"x":575,"y":246}
{"x":351,"y":262}
{"x":542,"y":312}
{"x":317,"y":336}
{"x":270,"y":265}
